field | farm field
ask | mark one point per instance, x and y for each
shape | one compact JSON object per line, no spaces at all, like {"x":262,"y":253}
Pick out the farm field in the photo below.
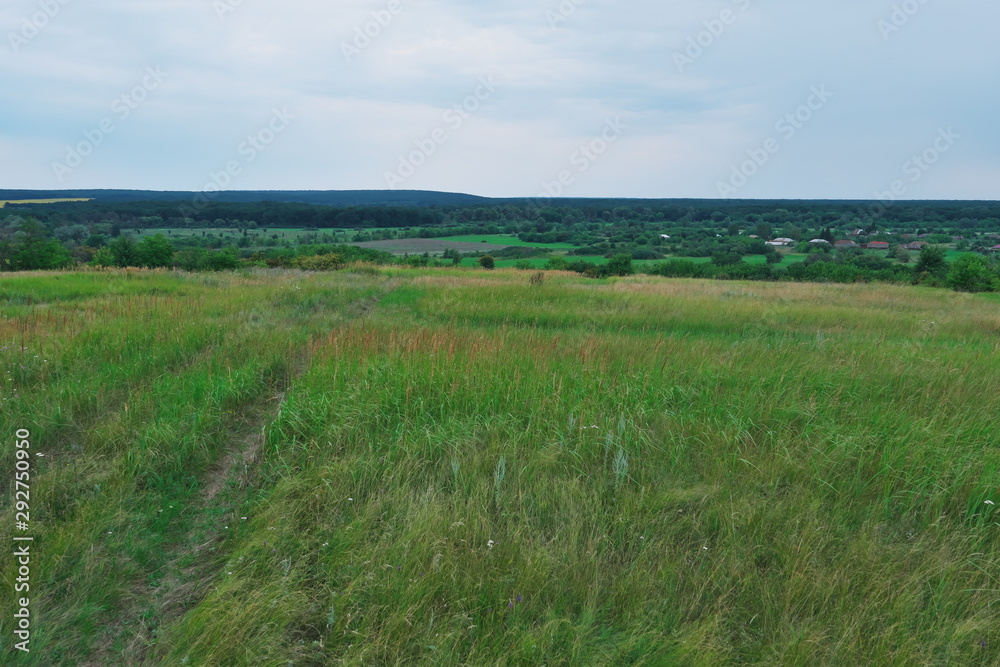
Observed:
{"x":433,"y":246}
{"x":540,"y":262}
{"x":38,"y":201}
{"x":506,"y":240}
{"x":457,"y":467}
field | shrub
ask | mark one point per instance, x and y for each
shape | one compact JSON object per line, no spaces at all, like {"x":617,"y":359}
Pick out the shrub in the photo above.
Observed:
{"x":619,"y":265}
{"x":487,"y":262}
{"x":325,"y":262}
{"x":972,"y":273}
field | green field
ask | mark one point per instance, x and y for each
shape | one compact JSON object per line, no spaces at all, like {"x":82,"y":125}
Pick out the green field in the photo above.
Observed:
{"x":505,"y":240}
{"x":457,"y":467}
{"x":540,"y":262}
{"x":639,"y":264}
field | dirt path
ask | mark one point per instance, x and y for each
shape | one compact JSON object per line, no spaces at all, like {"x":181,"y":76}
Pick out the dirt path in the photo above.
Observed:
{"x":193,"y":562}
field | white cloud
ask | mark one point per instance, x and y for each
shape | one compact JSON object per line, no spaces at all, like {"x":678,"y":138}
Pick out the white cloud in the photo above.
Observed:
{"x":559,"y":85}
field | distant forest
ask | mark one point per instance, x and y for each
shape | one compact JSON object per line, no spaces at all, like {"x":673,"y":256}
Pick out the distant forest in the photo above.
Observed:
{"x":56,"y":235}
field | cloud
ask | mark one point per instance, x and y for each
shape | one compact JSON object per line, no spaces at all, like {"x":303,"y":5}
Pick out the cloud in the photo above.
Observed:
{"x":565,"y":67}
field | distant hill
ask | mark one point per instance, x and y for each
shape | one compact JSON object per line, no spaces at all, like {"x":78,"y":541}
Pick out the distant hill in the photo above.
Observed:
{"x":327,"y":198}
{"x":427,"y":199}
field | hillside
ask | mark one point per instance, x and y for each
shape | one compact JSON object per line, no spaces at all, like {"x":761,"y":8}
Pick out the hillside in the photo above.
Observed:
{"x":450,"y":467}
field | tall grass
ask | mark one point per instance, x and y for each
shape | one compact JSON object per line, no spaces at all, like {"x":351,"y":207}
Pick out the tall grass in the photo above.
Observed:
{"x":469,"y":469}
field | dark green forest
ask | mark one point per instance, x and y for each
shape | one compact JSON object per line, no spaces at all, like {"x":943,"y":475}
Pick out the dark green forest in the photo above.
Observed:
{"x":831,"y":240}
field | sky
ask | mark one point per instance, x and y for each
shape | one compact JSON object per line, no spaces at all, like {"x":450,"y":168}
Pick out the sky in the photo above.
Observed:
{"x":853,"y":99}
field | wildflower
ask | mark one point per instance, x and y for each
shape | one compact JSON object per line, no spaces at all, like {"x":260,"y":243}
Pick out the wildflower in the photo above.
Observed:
{"x":990,"y":502}
{"x":519,"y":598}
{"x":490,"y":544}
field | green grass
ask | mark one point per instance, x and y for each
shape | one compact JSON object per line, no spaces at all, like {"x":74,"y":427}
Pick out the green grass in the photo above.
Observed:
{"x":454,"y":467}
{"x":505,"y":240}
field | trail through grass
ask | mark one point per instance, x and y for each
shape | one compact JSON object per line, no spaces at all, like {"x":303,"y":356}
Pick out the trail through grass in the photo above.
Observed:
{"x":450,"y":468}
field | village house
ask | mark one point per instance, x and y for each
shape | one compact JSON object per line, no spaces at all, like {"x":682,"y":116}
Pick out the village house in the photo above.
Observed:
{"x":845,"y":244}
{"x":878,"y":245}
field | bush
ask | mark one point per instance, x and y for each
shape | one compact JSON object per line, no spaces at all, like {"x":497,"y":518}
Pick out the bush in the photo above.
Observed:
{"x":103,"y":258}
{"x":931,"y":264}
{"x":619,"y":265}
{"x":325,"y":262}
{"x":973,"y":273}
{"x":487,"y":262}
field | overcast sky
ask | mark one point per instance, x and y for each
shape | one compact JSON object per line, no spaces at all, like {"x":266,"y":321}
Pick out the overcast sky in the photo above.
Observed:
{"x":590,"y":98}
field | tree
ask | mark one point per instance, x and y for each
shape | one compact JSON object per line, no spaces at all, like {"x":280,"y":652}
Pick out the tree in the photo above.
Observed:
{"x":33,"y":250}
{"x":902,"y":254}
{"x":74,"y":233}
{"x":726,"y":258}
{"x":931,"y":262}
{"x":222,"y":260}
{"x":155,"y":251}
{"x":487,"y":262}
{"x":973,"y":273}
{"x":619,"y":265}
{"x":124,"y":250}
{"x":103,"y":258}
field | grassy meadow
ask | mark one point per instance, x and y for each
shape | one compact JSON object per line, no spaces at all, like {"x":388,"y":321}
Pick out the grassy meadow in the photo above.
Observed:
{"x":458,"y":467}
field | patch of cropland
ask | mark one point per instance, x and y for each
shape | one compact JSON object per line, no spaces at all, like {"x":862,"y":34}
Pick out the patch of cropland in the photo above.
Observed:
{"x":443,"y":467}
{"x":400,"y":246}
